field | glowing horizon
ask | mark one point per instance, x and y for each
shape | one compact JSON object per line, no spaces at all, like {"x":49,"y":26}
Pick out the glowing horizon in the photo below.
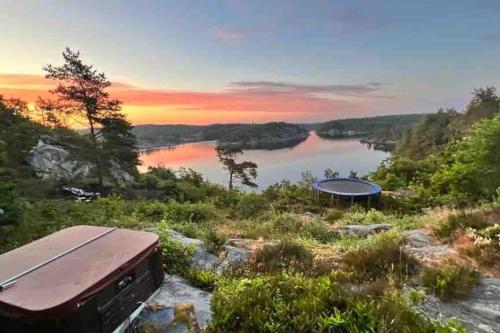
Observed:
{"x":241,"y":102}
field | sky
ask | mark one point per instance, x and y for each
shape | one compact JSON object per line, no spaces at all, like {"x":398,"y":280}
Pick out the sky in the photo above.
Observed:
{"x":200,"y":62}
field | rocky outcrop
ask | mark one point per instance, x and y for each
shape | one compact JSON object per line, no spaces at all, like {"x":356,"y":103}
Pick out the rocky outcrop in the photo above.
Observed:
{"x":423,"y":247}
{"x":177,"y":307}
{"x":480,"y":312}
{"x":361,"y":230}
{"x":232,"y":258}
{"x":50,"y":161}
{"x":201,"y":258}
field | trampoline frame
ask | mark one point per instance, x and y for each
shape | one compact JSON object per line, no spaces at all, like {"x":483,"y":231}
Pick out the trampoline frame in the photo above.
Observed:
{"x":377,"y":189}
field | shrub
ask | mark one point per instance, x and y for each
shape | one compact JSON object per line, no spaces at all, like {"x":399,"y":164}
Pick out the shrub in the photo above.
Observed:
{"x":153,"y":210}
{"x":319,"y":231}
{"x":287,"y":196}
{"x":188,"y":229}
{"x":189,"y":212}
{"x":250,"y":205}
{"x":486,"y":246}
{"x":176,"y":257}
{"x":334,"y":215}
{"x":450,"y":280}
{"x":205,"y":280}
{"x":378,"y":256}
{"x":284,"y":303}
{"x":214,"y":242}
{"x":286,"y":255}
{"x":286,"y":223}
{"x":461,"y":221}
{"x":371,"y":216}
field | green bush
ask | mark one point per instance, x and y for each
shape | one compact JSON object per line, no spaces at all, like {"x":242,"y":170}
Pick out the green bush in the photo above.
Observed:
{"x":205,"y":280}
{"x":286,"y":223}
{"x":361,"y":216}
{"x":176,"y":257}
{"x":319,"y":231}
{"x":334,"y":215}
{"x":214,"y":242}
{"x":378,"y":256}
{"x":151,"y":210}
{"x":251,"y":205}
{"x":450,"y":280}
{"x":286,"y":255}
{"x":462,"y":221}
{"x":189,"y":212}
{"x":283,"y":303}
{"x":188,"y":229}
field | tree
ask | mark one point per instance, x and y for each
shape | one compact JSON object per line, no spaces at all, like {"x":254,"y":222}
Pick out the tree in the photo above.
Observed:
{"x":81,"y":94}
{"x":11,"y":206}
{"x":485,"y":103}
{"x":119,"y":143}
{"x":329,"y":173}
{"x":243,"y":172}
{"x":471,"y":170}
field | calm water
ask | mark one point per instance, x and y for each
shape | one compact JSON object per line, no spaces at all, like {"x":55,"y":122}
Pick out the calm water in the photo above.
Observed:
{"x":314,"y":154}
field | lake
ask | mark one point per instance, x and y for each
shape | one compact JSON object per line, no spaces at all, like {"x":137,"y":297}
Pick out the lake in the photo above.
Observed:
{"x":315,"y":154}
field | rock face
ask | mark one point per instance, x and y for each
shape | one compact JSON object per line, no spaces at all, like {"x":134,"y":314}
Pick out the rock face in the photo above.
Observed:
{"x":361,"y":230}
{"x":162,"y":313}
{"x":423,"y":247}
{"x":233,"y":258}
{"x":201,"y":259}
{"x":480,"y":312}
{"x":52,"y":161}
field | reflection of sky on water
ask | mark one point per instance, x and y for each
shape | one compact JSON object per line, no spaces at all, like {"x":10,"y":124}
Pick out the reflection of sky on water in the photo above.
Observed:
{"x":314,"y":154}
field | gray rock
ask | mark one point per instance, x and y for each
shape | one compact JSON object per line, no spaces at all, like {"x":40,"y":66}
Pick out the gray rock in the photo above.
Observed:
{"x":176,"y":290}
{"x":51,"y":161}
{"x":362,"y":230}
{"x":422,"y":246}
{"x":309,"y":215}
{"x":480,"y":312}
{"x":201,"y":259}
{"x":234,"y":257}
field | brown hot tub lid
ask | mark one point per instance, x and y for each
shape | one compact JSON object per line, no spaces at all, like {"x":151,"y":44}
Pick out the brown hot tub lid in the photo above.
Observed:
{"x":60,"y":284}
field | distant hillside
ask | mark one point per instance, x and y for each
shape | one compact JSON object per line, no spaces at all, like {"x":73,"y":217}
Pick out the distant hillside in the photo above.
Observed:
{"x":250,"y":136}
{"x":382,"y":131}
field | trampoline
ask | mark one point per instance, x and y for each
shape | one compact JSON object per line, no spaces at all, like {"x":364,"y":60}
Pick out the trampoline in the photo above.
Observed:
{"x":349,"y":188}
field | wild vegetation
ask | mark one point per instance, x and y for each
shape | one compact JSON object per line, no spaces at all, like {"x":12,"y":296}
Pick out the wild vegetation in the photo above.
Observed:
{"x":246,"y":136}
{"x":380,"y":128}
{"x":305,"y":275}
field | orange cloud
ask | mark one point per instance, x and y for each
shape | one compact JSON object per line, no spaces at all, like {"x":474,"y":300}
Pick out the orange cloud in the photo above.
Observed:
{"x":243,"y":102}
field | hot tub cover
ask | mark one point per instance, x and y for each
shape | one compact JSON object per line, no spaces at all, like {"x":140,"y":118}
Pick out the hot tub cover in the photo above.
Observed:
{"x":61,"y":284}
{"x":347,"y":187}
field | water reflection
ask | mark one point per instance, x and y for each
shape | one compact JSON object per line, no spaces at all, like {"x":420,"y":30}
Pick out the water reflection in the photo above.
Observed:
{"x":314,"y":154}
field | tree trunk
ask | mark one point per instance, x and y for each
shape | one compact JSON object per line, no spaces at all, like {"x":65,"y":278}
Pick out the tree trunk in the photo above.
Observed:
{"x":97,"y":156}
{"x":230,"y":179}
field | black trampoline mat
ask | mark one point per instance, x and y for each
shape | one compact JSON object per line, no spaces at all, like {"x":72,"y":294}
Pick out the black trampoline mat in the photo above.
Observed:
{"x":347,"y":186}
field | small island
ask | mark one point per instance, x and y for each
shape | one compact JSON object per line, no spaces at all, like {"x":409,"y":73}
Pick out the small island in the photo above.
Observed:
{"x":269,"y":136}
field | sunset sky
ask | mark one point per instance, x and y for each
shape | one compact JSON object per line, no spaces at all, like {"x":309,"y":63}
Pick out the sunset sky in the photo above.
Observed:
{"x":202,"y":62}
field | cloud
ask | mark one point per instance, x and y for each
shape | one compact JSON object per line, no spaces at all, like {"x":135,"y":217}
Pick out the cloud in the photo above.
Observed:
{"x":227,"y":33}
{"x":494,"y":38}
{"x":268,"y":87}
{"x":246,"y":100}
